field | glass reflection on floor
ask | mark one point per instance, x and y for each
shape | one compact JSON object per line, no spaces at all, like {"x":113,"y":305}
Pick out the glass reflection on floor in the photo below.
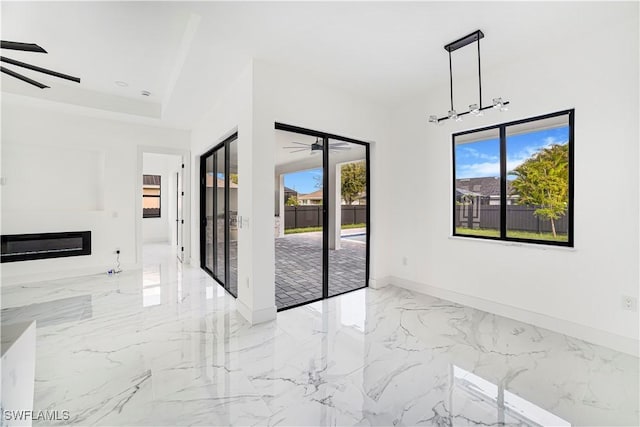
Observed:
{"x":151,"y":285}
{"x":480,"y":399}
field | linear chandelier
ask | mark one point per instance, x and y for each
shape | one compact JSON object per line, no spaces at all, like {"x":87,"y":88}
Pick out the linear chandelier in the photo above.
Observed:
{"x":474,"y":109}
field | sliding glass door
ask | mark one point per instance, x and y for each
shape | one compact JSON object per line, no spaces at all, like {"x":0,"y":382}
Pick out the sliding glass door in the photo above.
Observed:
{"x":322,"y":249}
{"x":218,"y":210}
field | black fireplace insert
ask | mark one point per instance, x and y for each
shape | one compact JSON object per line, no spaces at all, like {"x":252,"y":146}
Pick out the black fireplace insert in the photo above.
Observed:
{"x":26,"y":247}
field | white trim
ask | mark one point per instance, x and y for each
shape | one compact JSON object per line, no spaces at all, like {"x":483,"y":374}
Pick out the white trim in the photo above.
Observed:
{"x":258,"y":316}
{"x":597,"y":336}
{"x":22,"y":279}
{"x":528,"y":245}
{"x":380,"y":282}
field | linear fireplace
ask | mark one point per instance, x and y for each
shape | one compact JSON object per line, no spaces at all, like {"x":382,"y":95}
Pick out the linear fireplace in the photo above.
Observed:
{"x":26,"y":247}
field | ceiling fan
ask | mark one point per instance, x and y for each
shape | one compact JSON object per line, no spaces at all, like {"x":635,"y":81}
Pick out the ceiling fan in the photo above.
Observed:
{"x":316,"y":147}
{"x":29,"y":47}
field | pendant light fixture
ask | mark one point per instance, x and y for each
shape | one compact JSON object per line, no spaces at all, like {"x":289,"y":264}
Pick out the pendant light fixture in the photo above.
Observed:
{"x":474,"y":109}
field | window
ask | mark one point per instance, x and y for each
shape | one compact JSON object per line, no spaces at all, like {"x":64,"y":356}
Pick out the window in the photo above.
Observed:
{"x":151,"y":196}
{"x":514,"y":181}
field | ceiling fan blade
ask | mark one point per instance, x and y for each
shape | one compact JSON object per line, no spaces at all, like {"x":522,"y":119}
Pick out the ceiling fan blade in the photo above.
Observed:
{"x":306,"y":148}
{"x":23,"y":78}
{"x":27,"y":47}
{"x":339,"y":148}
{"x":299,"y":150}
{"x":39,"y":69}
{"x":301,"y":143}
{"x":338,"y":144}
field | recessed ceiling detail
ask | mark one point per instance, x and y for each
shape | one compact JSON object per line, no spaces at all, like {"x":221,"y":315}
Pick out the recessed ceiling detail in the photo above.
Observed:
{"x":29,"y":47}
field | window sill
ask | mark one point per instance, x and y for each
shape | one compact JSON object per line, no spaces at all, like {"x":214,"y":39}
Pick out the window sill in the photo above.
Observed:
{"x":538,"y":246}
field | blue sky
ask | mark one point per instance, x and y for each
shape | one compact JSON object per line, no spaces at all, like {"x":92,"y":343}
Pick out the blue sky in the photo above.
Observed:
{"x":473,"y":160}
{"x":303,"y":182}
{"x":482,"y":159}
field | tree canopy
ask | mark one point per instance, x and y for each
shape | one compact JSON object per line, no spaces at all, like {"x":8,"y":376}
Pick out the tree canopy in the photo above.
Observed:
{"x":292,"y":201}
{"x":354,"y":181}
{"x":543,"y":181}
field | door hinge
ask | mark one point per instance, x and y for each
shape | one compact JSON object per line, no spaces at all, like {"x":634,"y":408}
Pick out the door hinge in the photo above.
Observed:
{"x":183,"y":166}
{"x":183,"y":193}
{"x":182,"y":221}
{"x":182,"y":249}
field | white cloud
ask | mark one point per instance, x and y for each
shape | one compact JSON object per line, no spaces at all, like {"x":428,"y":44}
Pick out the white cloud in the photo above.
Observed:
{"x":472,"y":152}
{"x":492,"y":167}
{"x":476,"y":170}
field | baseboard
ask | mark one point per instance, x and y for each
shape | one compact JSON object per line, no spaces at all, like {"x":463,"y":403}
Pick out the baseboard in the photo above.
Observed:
{"x":565,"y":327}
{"x":379,"y":282}
{"x":62,"y":274}
{"x":256,"y":316}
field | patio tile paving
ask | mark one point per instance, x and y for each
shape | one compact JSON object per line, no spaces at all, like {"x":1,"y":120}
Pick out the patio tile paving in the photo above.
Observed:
{"x":299,"y":268}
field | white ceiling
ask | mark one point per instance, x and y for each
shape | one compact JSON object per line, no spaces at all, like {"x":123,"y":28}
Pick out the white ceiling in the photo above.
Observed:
{"x":186,"y":53}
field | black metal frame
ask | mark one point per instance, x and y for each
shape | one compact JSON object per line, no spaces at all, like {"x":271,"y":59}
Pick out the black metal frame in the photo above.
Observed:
{"x":325,"y":203}
{"x":224,"y":282}
{"x":503,"y":179}
{"x":159,"y":197}
{"x":475,"y":36}
{"x":84,"y":235}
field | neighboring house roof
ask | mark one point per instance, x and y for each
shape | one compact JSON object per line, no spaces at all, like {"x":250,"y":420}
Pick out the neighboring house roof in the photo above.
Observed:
{"x":483,"y":187}
{"x":220,"y":182}
{"x":316,"y":195}
{"x":150,"y":179}
{"x":289,"y":190}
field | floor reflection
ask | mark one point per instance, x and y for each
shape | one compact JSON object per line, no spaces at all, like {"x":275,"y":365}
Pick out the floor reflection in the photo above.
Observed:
{"x":480,"y":399}
{"x":49,"y":313}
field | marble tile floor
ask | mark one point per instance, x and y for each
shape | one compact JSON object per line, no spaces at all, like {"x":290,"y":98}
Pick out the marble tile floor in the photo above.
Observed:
{"x":165,"y":346}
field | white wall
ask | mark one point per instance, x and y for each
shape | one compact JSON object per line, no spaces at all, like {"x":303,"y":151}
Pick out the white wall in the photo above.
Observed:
{"x":577,"y":291}
{"x":86,"y":170}
{"x":162,"y":229}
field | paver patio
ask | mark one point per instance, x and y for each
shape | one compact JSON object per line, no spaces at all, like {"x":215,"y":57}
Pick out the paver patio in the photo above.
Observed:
{"x":299,"y":267}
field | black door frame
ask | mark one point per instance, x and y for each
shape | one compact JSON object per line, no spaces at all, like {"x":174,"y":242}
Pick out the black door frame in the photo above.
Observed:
{"x":325,"y":203}
{"x":203,"y":210}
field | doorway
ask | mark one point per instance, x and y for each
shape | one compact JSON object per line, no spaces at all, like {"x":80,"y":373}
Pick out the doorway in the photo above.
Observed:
{"x":218,"y":213}
{"x":322,"y":215}
{"x":162,"y":201}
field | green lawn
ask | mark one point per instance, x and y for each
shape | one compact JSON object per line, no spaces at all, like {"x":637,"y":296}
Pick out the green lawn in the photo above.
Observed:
{"x":512,"y":234}
{"x":310,"y":229}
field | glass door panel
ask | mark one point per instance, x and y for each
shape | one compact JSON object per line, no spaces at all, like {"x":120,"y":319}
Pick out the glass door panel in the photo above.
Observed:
{"x":347,"y":216}
{"x":300,"y":193}
{"x":208,"y":212}
{"x":220,"y":206}
{"x":232,"y":284}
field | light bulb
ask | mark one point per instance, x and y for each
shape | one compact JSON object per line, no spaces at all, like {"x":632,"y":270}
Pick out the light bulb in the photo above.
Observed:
{"x":453,"y":114}
{"x":433,"y":119}
{"x":474,"y":109}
